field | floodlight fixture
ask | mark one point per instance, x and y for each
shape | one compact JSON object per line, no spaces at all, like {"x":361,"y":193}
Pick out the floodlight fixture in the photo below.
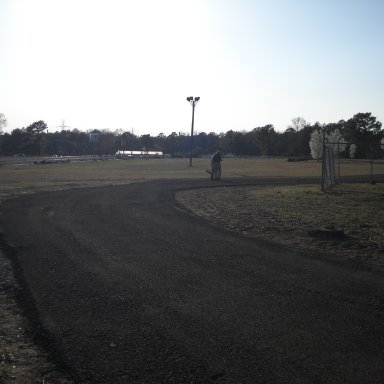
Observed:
{"x":193,"y":101}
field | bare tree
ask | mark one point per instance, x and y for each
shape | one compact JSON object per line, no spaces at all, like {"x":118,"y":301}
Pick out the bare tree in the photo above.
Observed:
{"x":298,"y":123}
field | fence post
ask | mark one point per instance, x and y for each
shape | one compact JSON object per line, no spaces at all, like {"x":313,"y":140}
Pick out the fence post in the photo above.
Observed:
{"x":338,"y":161}
{"x":323,"y":164}
{"x":371,"y":172}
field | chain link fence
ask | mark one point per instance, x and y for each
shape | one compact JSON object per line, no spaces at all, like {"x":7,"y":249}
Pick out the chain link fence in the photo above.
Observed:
{"x":336,"y":169}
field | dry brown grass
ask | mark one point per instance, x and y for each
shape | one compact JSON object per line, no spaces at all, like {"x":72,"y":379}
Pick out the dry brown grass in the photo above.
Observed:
{"x":16,"y":179}
{"x":294,"y":216}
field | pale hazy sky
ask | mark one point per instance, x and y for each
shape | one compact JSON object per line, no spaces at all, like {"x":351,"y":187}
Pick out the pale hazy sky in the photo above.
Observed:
{"x":130,"y":64}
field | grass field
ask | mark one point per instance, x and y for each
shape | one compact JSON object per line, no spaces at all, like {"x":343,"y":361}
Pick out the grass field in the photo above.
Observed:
{"x":31,"y":177}
{"x":17,"y":178}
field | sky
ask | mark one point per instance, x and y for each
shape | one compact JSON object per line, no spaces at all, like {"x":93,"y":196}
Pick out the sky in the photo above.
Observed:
{"x":131,"y":64}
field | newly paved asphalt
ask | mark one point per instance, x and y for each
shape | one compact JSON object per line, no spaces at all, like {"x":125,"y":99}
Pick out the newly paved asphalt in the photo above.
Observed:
{"x":130,"y":288}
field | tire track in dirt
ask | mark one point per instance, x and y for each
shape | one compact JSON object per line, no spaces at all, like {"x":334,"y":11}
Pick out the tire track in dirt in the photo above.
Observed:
{"x":131,"y":290}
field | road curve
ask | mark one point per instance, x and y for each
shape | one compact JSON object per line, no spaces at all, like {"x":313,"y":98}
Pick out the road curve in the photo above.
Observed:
{"x":130,"y":288}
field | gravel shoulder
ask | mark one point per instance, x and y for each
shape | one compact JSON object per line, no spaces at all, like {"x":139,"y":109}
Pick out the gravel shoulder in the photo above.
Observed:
{"x":22,"y":360}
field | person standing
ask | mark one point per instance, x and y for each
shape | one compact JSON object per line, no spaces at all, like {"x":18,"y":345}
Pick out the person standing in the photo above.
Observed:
{"x":216,"y":166}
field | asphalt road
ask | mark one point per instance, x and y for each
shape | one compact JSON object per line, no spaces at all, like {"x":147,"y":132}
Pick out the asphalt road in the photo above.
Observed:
{"x":129,"y":288}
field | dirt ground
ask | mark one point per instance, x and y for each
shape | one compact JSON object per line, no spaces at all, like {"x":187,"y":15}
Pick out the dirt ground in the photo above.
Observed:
{"x":302,"y":219}
{"x":344,"y":225}
{"x":22,"y":361}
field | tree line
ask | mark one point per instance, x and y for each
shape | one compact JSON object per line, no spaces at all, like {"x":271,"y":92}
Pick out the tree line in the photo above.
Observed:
{"x":363,"y":131}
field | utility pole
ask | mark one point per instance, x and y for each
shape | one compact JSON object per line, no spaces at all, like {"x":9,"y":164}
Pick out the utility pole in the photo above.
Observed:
{"x":63,"y":126}
{"x":193,"y":101}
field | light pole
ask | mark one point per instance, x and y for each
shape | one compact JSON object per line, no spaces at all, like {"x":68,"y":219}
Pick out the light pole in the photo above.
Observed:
{"x":193,"y":101}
